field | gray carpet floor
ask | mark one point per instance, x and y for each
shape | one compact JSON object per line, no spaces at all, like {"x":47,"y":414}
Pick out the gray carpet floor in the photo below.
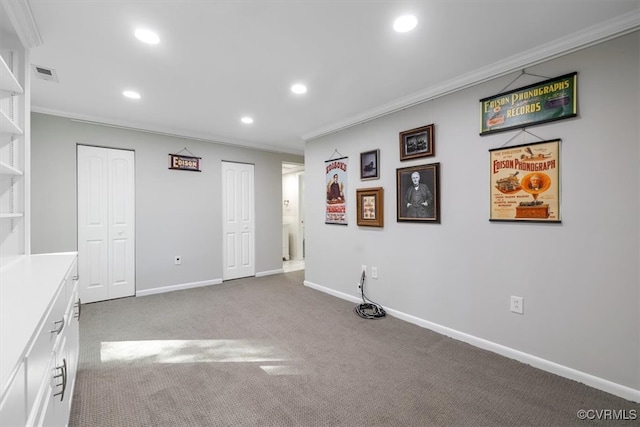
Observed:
{"x":270,"y":352}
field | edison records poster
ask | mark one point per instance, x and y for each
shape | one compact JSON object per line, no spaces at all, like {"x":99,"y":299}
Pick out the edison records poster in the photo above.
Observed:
{"x":525,"y":182}
{"x":336,"y":190}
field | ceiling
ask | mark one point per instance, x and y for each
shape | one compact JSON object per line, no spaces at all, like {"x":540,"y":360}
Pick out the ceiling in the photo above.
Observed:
{"x":218,"y":61}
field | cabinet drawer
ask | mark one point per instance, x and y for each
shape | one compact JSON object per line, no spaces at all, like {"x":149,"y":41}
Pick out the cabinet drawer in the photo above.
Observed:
{"x":13,"y":410}
{"x":71,"y":281}
{"x":39,"y":354}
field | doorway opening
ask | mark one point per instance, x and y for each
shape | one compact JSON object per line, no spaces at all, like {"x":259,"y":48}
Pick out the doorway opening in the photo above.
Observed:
{"x":292,"y":217}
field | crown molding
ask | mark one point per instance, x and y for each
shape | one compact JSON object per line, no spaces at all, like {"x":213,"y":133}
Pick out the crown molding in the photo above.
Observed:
{"x":172,"y":133}
{"x":23,"y":22}
{"x":602,"y":32}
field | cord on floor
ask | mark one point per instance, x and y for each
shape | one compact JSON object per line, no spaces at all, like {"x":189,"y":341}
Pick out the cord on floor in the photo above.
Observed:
{"x":368,"y":309}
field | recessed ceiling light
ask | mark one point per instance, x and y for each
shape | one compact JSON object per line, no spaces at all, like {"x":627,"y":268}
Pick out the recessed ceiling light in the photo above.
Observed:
{"x":147,"y":36}
{"x":299,"y":88}
{"x":246,"y":120}
{"x":131,"y":94}
{"x":405,"y":23}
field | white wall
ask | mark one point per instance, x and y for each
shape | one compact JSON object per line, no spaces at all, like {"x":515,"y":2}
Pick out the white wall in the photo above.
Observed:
{"x":177,"y":212}
{"x":581,"y":292}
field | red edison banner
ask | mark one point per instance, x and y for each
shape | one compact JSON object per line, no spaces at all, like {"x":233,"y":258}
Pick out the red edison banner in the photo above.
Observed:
{"x":336,"y":191}
{"x":525,"y":182}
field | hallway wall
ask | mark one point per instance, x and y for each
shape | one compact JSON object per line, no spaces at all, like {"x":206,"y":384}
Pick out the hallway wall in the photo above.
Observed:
{"x":579,"y":279}
{"x":177,"y":212}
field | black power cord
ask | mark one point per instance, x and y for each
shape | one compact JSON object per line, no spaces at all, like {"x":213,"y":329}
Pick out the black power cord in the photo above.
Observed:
{"x":368,"y":309}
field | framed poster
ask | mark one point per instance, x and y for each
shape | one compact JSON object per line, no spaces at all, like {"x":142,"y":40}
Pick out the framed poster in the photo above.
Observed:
{"x":369,"y":165}
{"x":184,"y":163}
{"x":417,"y":143}
{"x":336,"y":190}
{"x":553,"y":99}
{"x":525,"y":182}
{"x":418,"y":193}
{"x":370,"y":207}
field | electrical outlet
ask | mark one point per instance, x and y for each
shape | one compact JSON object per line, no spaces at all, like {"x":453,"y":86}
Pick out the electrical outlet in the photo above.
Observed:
{"x":517,"y":305}
{"x":178,"y":260}
{"x":374,"y":272}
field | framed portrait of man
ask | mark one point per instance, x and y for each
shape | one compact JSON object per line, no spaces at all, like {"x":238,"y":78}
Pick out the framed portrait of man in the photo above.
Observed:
{"x":418,"y":193}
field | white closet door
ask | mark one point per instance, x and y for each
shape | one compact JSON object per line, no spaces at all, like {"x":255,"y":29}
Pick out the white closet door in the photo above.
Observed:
{"x":106,"y":246}
{"x":238,"y":220}
{"x":121,"y":224}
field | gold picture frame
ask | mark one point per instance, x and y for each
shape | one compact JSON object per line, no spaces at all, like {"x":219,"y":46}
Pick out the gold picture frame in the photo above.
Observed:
{"x":370,"y":207}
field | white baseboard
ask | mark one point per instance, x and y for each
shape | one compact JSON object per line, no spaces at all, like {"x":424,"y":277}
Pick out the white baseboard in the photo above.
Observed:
{"x":171,"y":288}
{"x":537,"y":362}
{"x":269,"y":272}
{"x":182,"y":286}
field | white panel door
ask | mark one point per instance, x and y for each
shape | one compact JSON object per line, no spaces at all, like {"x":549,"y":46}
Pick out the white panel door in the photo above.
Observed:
{"x":93,"y":223}
{"x":121,"y":224}
{"x":106,"y":246}
{"x":238,"y":220}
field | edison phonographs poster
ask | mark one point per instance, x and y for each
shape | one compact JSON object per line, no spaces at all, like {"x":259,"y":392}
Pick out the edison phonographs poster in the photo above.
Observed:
{"x":336,"y":190}
{"x":554,"y":99}
{"x":525,"y":182}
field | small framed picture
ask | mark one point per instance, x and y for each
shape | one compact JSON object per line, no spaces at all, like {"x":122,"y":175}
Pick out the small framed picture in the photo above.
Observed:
{"x":370,"y":207}
{"x":369,"y":165}
{"x":419,"y":193}
{"x":418,"y":142}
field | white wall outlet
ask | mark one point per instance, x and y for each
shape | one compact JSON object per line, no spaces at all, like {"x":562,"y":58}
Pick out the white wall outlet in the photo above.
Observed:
{"x":177,"y":260}
{"x":374,"y":272}
{"x":517,"y":305}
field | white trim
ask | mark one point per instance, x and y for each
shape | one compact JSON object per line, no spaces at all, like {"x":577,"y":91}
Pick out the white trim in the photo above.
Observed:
{"x":23,"y":22}
{"x":537,"y":362}
{"x":269,"y":272}
{"x":171,"y":288}
{"x":596,"y":34}
{"x":164,"y":131}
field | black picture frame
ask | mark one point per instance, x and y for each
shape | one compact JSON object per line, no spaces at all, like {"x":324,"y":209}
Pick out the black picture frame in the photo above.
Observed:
{"x":370,"y":165}
{"x":535,"y":104}
{"x":417,"y":143}
{"x":410,"y":207}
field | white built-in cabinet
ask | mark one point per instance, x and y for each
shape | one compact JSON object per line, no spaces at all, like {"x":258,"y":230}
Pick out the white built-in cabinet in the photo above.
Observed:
{"x":39,"y":303}
{"x":12,"y":149}
{"x":39,"y":340}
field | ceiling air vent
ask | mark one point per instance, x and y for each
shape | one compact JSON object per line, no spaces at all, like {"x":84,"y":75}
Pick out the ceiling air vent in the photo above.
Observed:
{"x":44,"y":73}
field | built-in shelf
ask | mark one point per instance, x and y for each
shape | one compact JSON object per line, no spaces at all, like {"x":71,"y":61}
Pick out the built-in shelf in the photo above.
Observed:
{"x":5,"y":169}
{"x":8,"y":82}
{"x":11,"y":215}
{"x":8,"y":126}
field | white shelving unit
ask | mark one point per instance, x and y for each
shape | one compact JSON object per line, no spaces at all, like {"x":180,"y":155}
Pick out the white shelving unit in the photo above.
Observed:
{"x":8,"y":81}
{"x":9,"y":170}
{"x":13,"y":115}
{"x":8,"y":126}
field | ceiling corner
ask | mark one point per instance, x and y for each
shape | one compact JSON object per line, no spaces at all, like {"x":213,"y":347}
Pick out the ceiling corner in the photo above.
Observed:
{"x":20,"y":15}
